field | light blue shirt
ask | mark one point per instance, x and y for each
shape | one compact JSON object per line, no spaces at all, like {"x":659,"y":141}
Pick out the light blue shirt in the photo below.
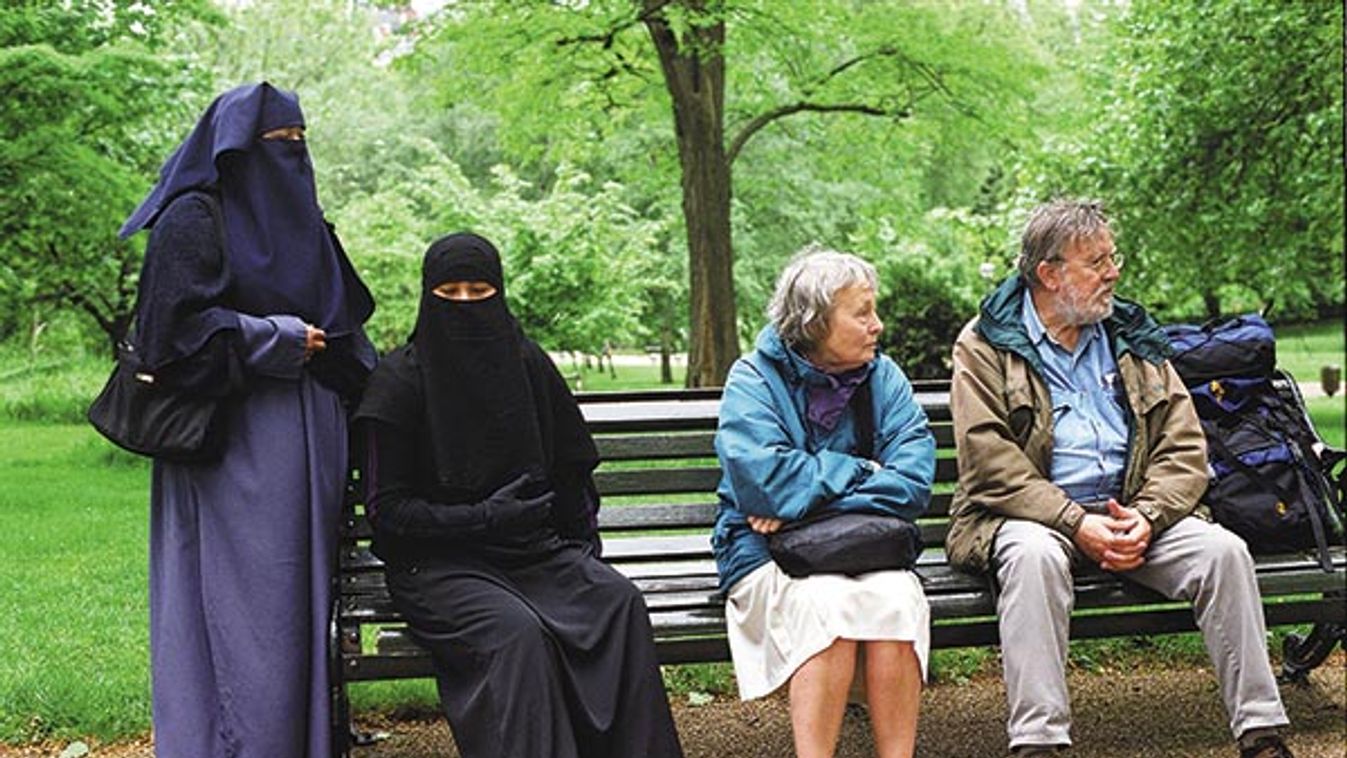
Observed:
{"x":1089,"y":430}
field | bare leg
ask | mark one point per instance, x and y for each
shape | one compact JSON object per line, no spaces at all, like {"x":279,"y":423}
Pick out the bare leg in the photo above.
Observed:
{"x":893,"y":689}
{"x":818,"y":699}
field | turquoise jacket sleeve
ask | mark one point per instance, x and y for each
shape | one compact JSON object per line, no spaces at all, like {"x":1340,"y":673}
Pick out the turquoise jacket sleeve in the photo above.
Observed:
{"x":771,"y":474}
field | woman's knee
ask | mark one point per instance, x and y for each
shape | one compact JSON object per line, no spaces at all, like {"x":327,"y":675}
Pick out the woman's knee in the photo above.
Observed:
{"x":887,"y":659}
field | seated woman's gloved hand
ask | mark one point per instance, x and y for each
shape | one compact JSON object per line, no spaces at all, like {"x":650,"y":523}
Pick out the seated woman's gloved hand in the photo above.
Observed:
{"x":507,"y":513}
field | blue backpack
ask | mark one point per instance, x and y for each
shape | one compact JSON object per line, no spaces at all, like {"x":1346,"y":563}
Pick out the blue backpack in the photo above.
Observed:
{"x":1272,"y":477}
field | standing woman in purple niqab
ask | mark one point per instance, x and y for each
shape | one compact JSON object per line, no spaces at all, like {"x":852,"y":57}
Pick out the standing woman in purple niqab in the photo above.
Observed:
{"x":246,"y":294}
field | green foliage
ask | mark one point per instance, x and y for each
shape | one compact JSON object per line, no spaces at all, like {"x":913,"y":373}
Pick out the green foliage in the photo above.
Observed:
{"x":922,"y":316}
{"x":81,"y":124}
{"x":78,"y":26}
{"x":1219,"y":146}
{"x":830,"y":110}
{"x":571,"y":259}
{"x":697,"y":681}
{"x":1213,"y":130}
{"x":574,"y":250}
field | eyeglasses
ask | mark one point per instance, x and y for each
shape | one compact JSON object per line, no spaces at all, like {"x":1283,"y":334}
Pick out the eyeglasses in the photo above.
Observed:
{"x":1100,"y":265}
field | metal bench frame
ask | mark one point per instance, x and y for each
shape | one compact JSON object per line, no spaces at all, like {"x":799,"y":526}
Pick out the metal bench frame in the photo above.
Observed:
{"x":656,"y":448}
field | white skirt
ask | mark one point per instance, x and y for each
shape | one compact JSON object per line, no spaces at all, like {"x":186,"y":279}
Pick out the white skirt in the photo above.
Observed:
{"x":776,"y":623}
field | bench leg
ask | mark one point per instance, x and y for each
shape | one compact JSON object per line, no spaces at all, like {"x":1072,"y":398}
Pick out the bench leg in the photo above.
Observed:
{"x":1300,"y":655}
{"x":342,"y":731}
{"x":340,"y":717}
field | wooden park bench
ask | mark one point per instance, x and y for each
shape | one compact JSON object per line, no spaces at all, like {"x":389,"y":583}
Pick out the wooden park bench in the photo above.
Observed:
{"x":658,"y":480}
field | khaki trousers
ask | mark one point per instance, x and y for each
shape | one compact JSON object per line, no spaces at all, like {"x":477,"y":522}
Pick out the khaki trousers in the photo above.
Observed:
{"x":1193,"y":560}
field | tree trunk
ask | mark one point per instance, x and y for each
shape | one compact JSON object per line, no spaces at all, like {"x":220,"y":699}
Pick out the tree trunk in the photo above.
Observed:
{"x":666,"y":347}
{"x":695,"y":76}
{"x":1212,"y":302}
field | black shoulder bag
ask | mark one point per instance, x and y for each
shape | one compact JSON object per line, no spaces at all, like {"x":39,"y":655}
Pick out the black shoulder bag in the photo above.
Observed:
{"x":138,"y":412}
{"x":848,"y":543}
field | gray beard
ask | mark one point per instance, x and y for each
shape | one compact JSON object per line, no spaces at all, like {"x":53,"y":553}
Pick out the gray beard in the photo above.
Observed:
{"x":1077,"y":311}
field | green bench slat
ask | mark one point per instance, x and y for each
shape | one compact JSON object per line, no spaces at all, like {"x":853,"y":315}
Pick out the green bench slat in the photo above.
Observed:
{"x":657,"y":516}
{"x":656,"y":446}
{"x":696,"y":479}
{"x":640,"y":517}
{"x":605,"y":416}
{"x":658,"y":481}
{"x":399,"y":657}
{"x":952,"y":594}
{"x":637,"y":447}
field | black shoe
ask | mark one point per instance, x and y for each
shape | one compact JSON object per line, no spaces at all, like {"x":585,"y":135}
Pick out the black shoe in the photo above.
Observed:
{"x":1265,"y":746}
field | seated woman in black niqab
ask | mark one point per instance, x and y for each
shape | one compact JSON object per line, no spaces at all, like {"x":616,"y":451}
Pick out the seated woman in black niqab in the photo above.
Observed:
{"x":478,"y":480}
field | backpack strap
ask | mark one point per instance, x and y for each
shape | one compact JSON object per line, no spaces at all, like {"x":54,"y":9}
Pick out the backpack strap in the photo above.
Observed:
{"x":1222,"y":452}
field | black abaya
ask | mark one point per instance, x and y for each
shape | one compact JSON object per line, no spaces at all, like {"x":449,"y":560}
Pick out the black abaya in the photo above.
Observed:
{"x":541,"y":650}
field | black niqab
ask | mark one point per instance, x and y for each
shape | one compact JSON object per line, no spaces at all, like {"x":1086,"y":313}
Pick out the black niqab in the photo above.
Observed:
{"x":491,"y":405}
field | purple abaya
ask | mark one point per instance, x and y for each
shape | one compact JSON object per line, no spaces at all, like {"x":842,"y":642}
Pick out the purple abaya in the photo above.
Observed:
{"x":240,"y":565}
{"x":239,"y":262}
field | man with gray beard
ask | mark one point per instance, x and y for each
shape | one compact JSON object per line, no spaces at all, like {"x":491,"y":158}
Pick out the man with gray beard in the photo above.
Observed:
{"x":1078,"y":445}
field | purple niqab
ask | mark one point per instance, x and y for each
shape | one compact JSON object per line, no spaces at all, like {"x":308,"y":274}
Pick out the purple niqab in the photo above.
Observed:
{"x":282,"y":257}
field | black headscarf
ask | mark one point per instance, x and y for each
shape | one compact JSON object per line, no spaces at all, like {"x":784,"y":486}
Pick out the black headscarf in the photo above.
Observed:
{"x":486,"y":398}
{"x":282,"y":256}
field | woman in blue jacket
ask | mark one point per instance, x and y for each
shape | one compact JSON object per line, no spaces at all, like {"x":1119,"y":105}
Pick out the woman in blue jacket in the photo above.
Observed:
{"x":788,"y":446}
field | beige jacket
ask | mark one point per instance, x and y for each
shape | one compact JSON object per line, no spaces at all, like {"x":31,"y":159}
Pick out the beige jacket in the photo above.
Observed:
{"x":1002,"y":412}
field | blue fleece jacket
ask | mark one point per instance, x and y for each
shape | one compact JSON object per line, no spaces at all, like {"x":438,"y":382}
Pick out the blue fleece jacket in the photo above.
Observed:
{"x":777,"y":464}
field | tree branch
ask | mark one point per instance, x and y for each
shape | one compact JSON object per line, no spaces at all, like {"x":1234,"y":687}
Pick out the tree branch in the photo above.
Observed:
{"x":934,"y":84}
{"x":605,"y":39}
{"x":841,"y":68}
{"x":762,"y":120}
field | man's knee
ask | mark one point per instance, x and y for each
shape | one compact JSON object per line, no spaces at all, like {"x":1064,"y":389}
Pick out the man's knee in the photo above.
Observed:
{"x":1226,"y":546}
{"x":1223,"y":553}
{"x":1032,"y":553}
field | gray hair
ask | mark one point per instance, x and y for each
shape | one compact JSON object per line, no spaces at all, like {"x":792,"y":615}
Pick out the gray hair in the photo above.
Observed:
{"x":1055,"y":226}
{"x":804,"y":293}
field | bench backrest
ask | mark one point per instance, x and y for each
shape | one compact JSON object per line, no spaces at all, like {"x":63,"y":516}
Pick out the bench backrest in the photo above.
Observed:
{"x":657,"y":481}
{"x":659,"y":469}
{"x":659,"y":472}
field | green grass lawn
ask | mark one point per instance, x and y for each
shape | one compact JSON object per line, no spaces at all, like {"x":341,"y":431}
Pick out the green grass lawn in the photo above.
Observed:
{"x":73,"y":615}
{"x":1305,"y":348}
{"x":73,"y":612}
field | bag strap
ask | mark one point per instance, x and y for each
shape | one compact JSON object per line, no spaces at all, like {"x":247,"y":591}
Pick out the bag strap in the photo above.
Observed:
{"x":863,"y":407}
{"x":861,"y":404}
{"x":1316,"y":462}
{"x":217,"y":216}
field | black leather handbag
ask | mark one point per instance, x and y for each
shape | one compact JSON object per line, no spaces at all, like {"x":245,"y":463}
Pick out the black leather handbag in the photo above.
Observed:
{"x":138,"y":413}
{"x":847,"y":543}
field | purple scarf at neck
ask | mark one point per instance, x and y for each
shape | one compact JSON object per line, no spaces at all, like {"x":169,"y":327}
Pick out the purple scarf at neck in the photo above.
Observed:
{"x":827,"y":399}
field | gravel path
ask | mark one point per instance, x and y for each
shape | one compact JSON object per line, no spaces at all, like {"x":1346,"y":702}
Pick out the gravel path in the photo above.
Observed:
{"x":1117,"y":714}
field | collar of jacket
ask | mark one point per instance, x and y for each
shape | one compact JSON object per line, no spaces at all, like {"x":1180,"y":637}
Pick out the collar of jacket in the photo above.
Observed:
{"x":1130,"y":328}
{"x":790,"y":364}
